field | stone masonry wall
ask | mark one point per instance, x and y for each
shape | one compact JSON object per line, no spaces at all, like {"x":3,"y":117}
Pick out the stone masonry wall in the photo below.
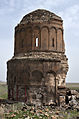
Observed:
{"x":33,"y":76}
{"x":37,"y":71}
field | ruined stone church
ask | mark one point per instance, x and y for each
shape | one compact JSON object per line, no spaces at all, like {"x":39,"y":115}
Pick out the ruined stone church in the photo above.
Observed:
{"x":37,"y":71}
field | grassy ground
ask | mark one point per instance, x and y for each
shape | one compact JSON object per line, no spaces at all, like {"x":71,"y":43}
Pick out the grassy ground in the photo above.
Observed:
{"x":74,"y":86}
{"x":41,"y":114}
{"x":3,"y":90}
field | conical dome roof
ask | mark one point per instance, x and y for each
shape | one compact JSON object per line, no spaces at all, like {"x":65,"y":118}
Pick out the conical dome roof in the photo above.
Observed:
{"x":40,"y":15}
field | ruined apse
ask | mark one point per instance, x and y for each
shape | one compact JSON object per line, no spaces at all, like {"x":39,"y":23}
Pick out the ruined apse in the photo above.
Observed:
{"x":38,"y":69}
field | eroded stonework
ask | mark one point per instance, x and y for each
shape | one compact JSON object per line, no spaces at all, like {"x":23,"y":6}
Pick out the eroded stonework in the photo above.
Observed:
{"x":37,"y":71}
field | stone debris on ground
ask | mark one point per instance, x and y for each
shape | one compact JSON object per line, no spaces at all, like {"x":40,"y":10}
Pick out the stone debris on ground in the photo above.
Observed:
{"x":20,"y":110}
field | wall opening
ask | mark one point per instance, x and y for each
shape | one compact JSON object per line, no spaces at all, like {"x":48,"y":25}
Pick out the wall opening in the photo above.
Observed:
{"x":37,"y":76}
{"x":37,"y":42}
{"x":53,"y":42}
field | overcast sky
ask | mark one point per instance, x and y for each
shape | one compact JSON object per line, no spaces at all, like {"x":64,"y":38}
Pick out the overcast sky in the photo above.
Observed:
{"x":12,"y":11}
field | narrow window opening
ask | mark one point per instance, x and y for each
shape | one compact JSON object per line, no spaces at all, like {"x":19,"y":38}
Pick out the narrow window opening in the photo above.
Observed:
{"x":53,"y":42}
{"x":37,"y":40}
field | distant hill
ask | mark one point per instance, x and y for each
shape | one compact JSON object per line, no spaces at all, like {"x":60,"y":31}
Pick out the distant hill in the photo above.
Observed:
{"x":1,"y":82}
{"x":74,"y":86}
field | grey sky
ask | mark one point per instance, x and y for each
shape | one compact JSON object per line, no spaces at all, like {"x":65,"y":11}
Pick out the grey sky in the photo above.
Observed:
{"x":12,"y":11}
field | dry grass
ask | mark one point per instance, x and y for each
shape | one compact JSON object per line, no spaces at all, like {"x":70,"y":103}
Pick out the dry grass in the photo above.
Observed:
{"x":74,"y":86}
{"x":3,"y":90}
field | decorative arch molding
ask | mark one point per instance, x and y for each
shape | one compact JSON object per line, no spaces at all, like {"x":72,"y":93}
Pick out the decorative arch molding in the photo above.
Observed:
{"x":45,"y":27}
{"x":53,"y":28}
{"x":53,"y":38}
{"x":28,"y":35}
{"x":63,"y":44}
{"x":51,"y":71}
{"x":59,"y":29}
{"x":61,"y":71}
{"x":37,"y":71}
{"x":59,"y":39}
{"x":36,"y":36}
{"x":22,"y":38}
{"x":50,"y":79}
{"x":44,"y":38}
{"x":61,"y":78}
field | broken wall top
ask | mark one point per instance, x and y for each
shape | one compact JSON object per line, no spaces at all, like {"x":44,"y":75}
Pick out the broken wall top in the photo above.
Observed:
{"x":40,"y":15}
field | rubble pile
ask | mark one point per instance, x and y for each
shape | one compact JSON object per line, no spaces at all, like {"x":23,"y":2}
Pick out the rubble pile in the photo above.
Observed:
{"x":20,"y":110}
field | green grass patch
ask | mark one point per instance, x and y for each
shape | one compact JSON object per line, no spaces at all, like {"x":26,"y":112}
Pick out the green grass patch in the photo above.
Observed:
{"x":3,"y":90}
{"x":24,"y":114}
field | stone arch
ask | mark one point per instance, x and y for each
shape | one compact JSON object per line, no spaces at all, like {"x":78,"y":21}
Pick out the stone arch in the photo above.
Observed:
{"x":51,"y":71}
{"x":50,"y":78}
{"x":61,"y":79}
{"x":35,"y":35}
{"x":63,"y":44}
{"x":53,"y":28}
{"x":28,"y":39}
{"x":44,"y":37}
{"x":50,"y":83}
{"x":60,"y":76}
{"x":45,"y":27}
{"x":22,"y":38}
{"x":37,"y":77}
{"x":59,"y":39}
{"x":52,"y":39}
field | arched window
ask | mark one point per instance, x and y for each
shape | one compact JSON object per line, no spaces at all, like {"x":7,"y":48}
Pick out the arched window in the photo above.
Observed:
{"x":53,"y":42}
{"x":37,"y":42}
{"x":37,"y":76}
